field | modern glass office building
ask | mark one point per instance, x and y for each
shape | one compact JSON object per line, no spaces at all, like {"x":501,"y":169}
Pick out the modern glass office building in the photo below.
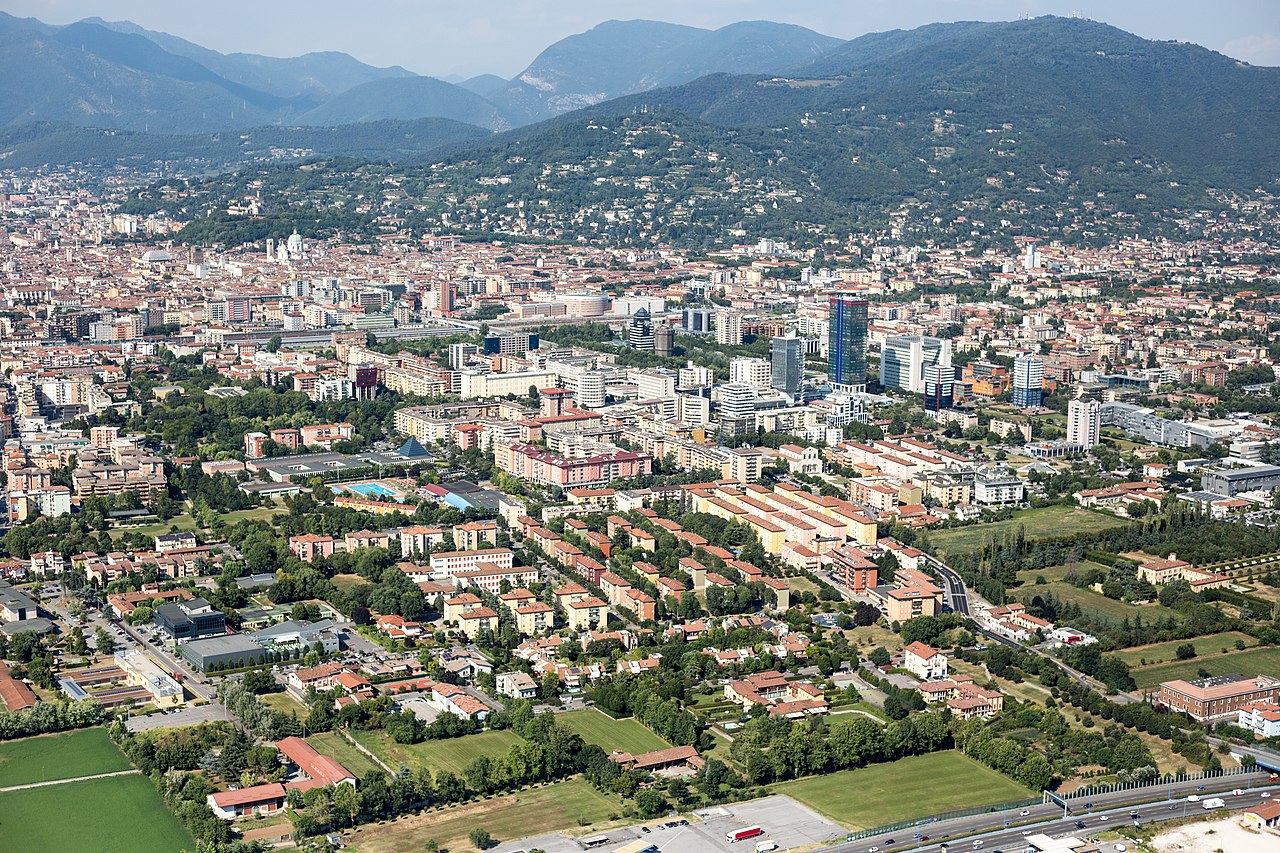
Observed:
{"x":1028,"y":382}
{"x":847,"y":342}
{"x":939,"y":387}
{"x":787,"y":362}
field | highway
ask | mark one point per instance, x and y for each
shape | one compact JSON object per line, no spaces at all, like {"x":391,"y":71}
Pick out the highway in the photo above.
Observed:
{"x":1006,"y":832}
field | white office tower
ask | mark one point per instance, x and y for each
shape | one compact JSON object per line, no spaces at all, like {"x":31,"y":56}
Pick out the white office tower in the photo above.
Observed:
{"x":695,"y":376}
{"x":737,"y":409}
{"x":754,"y":372}
{"x":729,"y":328}
{"x":1084,"y":423}
{"x":1028,"y":381}
{"x":459,"y":354}
{"x":655,"y":384}
{"x":903,"y":360}
{"x":1031,"y":260}
{"x":694,"y":409}
{"x":589,"y":393}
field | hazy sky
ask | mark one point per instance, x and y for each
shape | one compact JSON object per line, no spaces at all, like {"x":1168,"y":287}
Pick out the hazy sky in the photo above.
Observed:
{"x":503,"y":36}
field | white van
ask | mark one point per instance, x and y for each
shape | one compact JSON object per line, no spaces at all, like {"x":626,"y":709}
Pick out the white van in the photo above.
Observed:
{"x":766,"y":847}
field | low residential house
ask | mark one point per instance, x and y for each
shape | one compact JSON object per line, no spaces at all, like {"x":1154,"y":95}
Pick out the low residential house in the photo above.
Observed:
{"x":464,"y":665}
{"x":780,"y":697}
{"x":924,"y":662}
{"x":517,"y":685}
{"x":245,"y":802}
{"x":397,"y":627}
{"x":320,"y":677}
{"x":455,"y":700}
{"x":123,"y":604}
{"x":1015,"y":622}
{"x":638,"y":667}
{"x":166,"y":542}
{"x":965,"y":698}
{"x":353,"y":684}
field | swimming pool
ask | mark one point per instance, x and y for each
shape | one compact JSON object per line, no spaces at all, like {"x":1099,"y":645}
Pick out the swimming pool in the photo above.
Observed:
{"x":373,"y":490}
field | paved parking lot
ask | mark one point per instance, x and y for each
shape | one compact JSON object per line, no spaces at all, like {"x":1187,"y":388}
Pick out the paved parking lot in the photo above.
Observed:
{"x":213,"y":712}
{"x":783,"y":820}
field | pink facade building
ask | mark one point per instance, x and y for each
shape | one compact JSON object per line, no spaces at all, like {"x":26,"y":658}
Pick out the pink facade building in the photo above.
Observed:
{"x":530,"y":462}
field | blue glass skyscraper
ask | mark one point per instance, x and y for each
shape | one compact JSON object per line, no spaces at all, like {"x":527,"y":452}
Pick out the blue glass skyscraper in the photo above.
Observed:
{"x":847,"y":342}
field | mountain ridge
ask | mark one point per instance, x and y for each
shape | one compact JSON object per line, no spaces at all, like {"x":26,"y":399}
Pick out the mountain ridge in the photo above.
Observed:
{"x":1019,"y":121}
{"x":616,"y":58}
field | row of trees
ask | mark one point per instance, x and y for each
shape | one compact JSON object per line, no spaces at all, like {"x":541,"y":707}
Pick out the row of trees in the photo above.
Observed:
{"x":45,"y":717}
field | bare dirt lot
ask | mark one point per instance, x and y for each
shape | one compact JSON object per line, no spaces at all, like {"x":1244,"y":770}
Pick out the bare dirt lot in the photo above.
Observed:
{"x":1225,"y":835}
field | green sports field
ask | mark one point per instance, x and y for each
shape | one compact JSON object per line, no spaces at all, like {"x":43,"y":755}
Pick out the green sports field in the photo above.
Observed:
{"x":452,"y":754}
{"x":609,"y":734}
{"x":1248,"y":663}
{"x":913,"y":787}
{"x":68,"y":755}
{"x":1039,"y":523}
{"x":123,"y":814}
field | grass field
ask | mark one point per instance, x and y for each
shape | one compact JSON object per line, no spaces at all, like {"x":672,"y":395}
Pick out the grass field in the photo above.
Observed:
{"x":184,"y":521}
{"x":452,"y":754}
{"x":1247,"y":663}
{"x":900,"y":790}
{"x":61,"y":756}
{"x":1039,"y":523}
{"x":1096,"y":604}
{"x":1211,"y":644}
{"x":610,"y":734}
{"x":338,"y":748}
{"x":802,"y":585}
{"x":345,"y":582}
{"x":870,"y":636}
{"x":284,"y":703}
{"x":123,"y":814}
{"x":1055,"y":573}
{"x":570,"y":806}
